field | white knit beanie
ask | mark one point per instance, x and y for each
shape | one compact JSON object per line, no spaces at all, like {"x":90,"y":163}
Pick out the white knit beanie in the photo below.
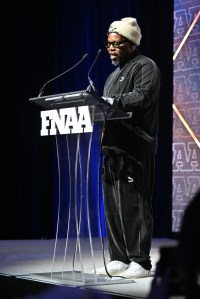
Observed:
{"x":128,"y":28}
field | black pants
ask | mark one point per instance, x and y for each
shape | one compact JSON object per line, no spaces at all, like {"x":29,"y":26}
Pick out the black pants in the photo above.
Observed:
{"x":128,"y":183}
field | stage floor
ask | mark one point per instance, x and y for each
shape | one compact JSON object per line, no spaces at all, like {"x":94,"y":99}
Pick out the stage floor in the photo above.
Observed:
{"x":48,"y":263}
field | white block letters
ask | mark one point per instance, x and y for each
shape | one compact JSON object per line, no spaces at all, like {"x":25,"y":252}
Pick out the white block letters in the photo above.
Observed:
{"x":66,"y":121}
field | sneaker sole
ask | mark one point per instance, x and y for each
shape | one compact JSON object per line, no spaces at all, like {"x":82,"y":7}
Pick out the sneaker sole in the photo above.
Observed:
{"x":136,"y":276}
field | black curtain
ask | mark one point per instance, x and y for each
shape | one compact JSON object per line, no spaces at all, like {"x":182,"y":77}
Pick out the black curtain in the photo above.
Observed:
{"x":39,"y":40}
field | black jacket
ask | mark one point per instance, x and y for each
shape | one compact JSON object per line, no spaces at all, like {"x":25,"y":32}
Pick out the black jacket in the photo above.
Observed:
{"x":135,"y":87}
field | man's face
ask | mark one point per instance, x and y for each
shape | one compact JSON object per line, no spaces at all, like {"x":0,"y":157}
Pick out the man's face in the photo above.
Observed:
{"x":120,"y":53}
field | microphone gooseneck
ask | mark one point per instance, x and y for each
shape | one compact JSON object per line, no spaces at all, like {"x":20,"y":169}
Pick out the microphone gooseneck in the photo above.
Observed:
{"x":43,"y":87}
{"x":91,"y":85}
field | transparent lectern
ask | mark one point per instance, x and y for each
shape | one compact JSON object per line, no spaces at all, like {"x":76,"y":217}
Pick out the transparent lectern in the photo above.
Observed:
{"x":78,"y":265}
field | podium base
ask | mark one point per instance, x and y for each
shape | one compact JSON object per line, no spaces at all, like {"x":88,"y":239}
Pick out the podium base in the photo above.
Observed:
{"x":75,"y":278}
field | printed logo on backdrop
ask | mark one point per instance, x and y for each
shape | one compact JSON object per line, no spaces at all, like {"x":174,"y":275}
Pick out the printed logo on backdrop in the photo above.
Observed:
{"x":186,"y":153}
{"x":71,"y":120}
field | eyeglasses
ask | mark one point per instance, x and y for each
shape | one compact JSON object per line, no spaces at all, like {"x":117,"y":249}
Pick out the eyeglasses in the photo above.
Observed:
{"x":115,"y":44}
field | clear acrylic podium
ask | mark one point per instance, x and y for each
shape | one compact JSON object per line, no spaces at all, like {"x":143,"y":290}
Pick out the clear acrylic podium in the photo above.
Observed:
{"x":74,"y":199}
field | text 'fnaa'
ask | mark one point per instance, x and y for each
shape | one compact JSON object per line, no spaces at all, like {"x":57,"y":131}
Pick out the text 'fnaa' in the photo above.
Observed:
{"x":71,"y":120}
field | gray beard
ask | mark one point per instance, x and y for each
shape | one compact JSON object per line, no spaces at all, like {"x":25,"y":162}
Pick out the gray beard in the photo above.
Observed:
{"x":115,"y":63}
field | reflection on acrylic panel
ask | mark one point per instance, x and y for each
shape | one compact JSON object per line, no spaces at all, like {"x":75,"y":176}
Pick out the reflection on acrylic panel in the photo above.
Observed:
{"x":186,"y":107}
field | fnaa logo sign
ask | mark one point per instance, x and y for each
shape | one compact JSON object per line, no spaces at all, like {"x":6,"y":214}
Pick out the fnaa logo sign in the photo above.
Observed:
{"x":71,"y":120}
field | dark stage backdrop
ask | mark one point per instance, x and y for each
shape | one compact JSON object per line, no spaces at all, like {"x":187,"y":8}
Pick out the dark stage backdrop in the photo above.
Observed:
{"x":39,"y":40}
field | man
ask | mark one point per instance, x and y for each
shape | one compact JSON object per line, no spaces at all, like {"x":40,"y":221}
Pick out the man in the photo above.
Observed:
{"x":129,"y":146}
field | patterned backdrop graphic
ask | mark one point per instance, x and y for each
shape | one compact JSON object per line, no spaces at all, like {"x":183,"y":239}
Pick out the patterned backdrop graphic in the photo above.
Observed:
{"x":186,"y":105}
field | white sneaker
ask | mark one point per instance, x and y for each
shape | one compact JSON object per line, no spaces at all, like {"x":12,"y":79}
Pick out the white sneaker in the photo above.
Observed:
{"x":113,"y":268}
{"x":135,"y":271}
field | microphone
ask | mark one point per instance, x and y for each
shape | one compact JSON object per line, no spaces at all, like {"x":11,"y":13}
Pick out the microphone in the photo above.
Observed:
{"x":43,"y":87}
{"x":91,"y":85}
